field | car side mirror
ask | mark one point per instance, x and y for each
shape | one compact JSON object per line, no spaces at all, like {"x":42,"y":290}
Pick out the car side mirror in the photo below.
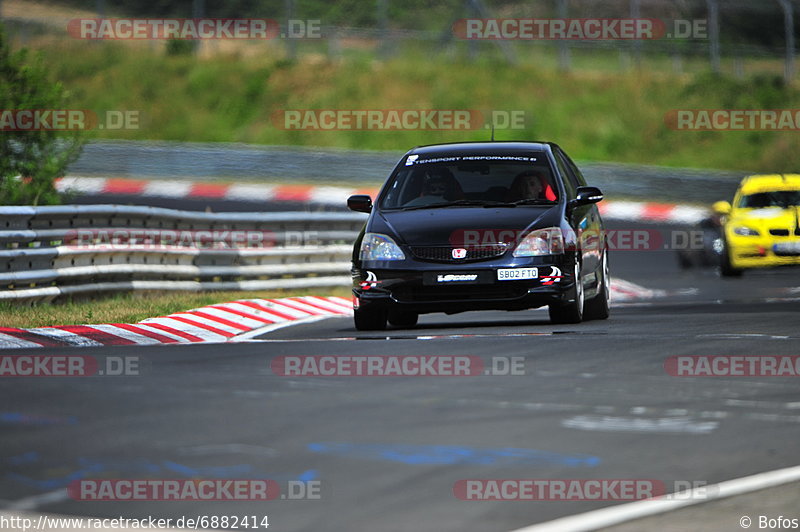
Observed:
{"x":360,"y":203}
{"x":587,"y":196}
{"x":722,"y":207}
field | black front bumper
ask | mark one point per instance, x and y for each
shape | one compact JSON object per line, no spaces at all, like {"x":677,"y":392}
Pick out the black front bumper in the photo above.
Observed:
{"x":420,"y":291}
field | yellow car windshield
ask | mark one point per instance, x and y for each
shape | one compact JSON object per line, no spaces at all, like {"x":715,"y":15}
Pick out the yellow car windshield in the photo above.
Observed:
{"x":776,"y":198}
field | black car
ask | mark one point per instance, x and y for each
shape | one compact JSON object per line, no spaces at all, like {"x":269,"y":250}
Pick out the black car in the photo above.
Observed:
{"x":480,"y":226}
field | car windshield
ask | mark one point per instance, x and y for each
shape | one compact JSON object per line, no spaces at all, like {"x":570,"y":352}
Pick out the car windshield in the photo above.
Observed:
{"x":471,"y":181}
{"x":775,"y":198}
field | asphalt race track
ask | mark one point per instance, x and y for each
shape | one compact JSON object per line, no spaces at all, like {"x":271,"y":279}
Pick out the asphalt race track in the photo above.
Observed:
{"x":594,"y":402}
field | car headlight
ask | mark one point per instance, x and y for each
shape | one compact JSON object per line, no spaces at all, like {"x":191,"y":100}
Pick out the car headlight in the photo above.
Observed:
{"x":548,"y":241}
{"x":745,"y":231}
{"x":375,"y":246}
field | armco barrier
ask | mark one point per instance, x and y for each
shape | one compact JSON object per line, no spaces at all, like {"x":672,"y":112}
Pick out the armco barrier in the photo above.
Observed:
{"x":46,"y":252}
{"x":242,"y":163}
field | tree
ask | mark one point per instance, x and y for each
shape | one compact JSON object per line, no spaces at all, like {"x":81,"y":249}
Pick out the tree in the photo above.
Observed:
{"x":31,"y":160}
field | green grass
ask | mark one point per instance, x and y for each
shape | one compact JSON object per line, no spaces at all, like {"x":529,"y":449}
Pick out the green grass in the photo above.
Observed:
{"x":595,"y":114}
{"x":132,"y":308}
{"x":600,"y":113}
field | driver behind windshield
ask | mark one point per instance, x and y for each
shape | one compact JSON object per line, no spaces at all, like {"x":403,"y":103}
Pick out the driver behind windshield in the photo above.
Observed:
{"x":433,"y":186}
{"x":530,"y":184}
{"x":438,"y":185}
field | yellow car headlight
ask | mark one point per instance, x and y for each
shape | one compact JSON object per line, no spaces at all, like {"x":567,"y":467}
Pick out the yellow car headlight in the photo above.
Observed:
{"x":745,"y":231}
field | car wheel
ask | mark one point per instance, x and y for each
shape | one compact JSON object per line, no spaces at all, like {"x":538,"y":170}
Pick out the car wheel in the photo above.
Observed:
{"x":684,"y":260}
{"x":571,"y":312}
{"x":367,"y":319}
{"x":403,"y":319}
{"x":598,"y":307}
{"x":725,"y":267}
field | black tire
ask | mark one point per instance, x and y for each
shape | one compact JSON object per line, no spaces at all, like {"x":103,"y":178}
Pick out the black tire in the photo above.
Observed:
{"x":571,"y":312}
{"x":598,"y":308}
{"x":684,"y":260}
{"x":725,"y":267}
{"x":367,"y":319}
{"x":403,"y":319}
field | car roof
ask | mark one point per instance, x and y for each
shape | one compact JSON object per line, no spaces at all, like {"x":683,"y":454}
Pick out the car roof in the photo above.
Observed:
{"x":767,"y":182}
{"x":482,"y":147}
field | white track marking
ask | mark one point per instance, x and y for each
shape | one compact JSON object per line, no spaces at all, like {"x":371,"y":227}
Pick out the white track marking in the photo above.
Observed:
{"x":325,"y":304}
{"x":627,"y":424}
{"x":275,"y":326}
{"x":126,"y":334}
{"x":66,"y":336}
{"x":261,"y":313}
{"x":279,"y":306}
{"x":623,"y":513}
{"x":162,"y":332}
{"x":231,"y":316}
{"x":167,"y":189}
{"x":12,"y":341}
{"x":194,"y":330}
{"x":247,"y":192}
{"x":35,"y":501}
{"x":84,"y":185}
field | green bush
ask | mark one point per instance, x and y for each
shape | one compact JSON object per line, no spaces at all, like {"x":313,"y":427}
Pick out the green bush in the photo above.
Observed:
{"x":31,"y":160}
{"x":180,"y":47}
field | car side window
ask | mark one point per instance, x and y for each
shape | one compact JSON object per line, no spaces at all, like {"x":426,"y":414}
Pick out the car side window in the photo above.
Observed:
{"x":566,"y":174}
{"x":581,"y":182}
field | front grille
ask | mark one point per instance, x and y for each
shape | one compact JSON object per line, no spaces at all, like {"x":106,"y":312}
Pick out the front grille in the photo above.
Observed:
{"x":779,"y":232}
{"x":408,"y":294}
{"x":784,"y":232}
{"x":445,"y":253}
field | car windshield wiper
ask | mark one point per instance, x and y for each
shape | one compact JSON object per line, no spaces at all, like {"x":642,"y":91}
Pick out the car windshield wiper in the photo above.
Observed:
{"x":535,"y":201}
{"x":480,"y":203}
{"x":429,"y":206}
{"x":462,"y":203}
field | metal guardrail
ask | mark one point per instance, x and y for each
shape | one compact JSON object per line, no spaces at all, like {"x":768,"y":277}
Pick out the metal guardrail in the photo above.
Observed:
{"x":327,"y":166}
{"x":47,"y":252}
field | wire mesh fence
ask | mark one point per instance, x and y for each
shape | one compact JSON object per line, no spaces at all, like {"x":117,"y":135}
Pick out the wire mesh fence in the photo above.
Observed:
{"x":736,"y":37}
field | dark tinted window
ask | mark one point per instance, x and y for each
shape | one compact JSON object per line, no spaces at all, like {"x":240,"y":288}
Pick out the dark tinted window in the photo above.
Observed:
{"x":576,"y":173}
{"x":777,"y":198}
{"x":442,"y":180}
{"x":570,"y":180}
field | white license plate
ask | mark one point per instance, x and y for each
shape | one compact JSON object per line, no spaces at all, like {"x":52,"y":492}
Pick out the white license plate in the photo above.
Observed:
{"x":792,"y":248}
{"x":517,"y":274}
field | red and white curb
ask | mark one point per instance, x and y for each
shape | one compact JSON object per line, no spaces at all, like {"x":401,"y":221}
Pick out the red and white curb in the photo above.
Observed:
{"x":330,"y":195}
{"x":622,"y":291}
{"x":652,"y":212}
{"x":226,"y":322}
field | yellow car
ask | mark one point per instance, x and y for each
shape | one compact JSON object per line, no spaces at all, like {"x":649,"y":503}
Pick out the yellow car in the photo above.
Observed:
{"x":762,"y":228}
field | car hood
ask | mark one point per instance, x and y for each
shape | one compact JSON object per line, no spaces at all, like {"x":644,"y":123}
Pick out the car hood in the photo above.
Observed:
{"x":767,"y":218}
{"x":445,"y":226}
